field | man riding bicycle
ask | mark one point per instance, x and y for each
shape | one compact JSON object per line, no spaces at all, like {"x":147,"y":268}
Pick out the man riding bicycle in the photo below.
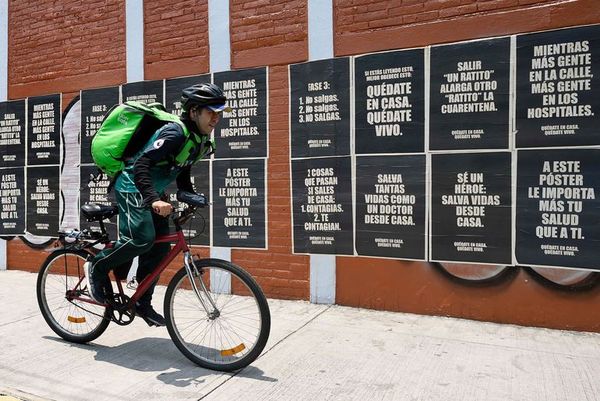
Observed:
{"x":139,"y":190}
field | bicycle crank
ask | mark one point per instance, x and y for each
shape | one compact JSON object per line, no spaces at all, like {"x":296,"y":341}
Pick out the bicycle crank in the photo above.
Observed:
{"x":121,"y":313}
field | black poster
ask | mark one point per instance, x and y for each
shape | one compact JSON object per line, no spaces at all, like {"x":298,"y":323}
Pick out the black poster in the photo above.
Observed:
{"x":469,"y":95}
{"x":558,"y":218}
{"x":174,"y":87}
{"x":390,"y":102}
{"x":197,"y":230}
{"x":239,"y":197}
{"x":143,"y":91}
{"x":12,"y":194}
{"x":43,"y":197}
{"x":320,"y":108}
{"x":44,"y":122}
{"x":471,"y":219}
{"x":12,"y":133}
{"x":243,"y":131}
{"x":322,"y":206}
{"x":558,"y":86}
{"x":390,"y":206}
{"x":95,"y":103}
{"x":96,"y":191}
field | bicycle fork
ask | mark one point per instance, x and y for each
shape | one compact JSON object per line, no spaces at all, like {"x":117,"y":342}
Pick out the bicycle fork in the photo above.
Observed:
{"x":192,"y":272}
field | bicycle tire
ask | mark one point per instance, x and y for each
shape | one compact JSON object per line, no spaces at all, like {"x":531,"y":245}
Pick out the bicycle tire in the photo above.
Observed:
{"x":198,"y":336}
{"x":73,"y":321}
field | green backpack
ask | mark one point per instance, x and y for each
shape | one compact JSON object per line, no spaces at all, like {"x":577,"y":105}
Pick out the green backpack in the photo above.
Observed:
{"x":127,"y":128}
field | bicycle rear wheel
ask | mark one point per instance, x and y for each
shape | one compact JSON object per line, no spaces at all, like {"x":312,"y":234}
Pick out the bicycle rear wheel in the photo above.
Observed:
{"x":60,"y":282}
{"x":229,"y":337}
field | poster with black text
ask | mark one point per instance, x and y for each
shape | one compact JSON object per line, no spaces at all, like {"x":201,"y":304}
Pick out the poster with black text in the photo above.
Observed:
{"x":390,"y":102}
{"x":95,"y":104}
{"x":12,"y":133}
{"x":390,"y":206}
{"x":12,"y":194}
{"x":558,"y":88}
{"x":143,"y":91}
{"x":558,"y":218}
{"x":469,"y":95}
{"x":239,"y":203}
{"x":43,"y":200}
{"x":174,"y":87}
{"x":320,"y":108}
{"x":322,"y":206}
{"x":243,"y":131}
{"x":96,"y":191}
{"x":471,"y":219}
{"x":197,"y":230}
{"x":43,"y":130}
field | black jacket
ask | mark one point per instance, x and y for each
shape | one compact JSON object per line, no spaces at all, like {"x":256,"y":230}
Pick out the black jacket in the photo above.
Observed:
{"x":166,"y":147}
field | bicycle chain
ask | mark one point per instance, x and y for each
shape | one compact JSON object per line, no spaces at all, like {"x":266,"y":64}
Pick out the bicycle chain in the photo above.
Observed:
{"x":118,"y":307}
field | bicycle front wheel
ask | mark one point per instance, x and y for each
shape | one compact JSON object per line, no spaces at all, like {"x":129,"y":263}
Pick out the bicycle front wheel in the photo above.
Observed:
{"x":225,"y":325}
{"x":61,"y":292}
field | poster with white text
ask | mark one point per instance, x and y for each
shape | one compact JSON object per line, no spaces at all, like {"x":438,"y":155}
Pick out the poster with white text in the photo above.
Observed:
{"x":558,"y":218}
{"x":471,"y":203}
{"x":389,"y":102}
{"x":469,"y":95}
{"x":322,"y":206}
{"x":558,"y":88}
{"x":390,"y":206}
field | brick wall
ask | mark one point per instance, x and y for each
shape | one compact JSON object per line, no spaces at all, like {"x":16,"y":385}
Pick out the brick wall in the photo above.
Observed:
{"x":65,"y":46}
{"x":362,"y":26}
{"x":273,"y":32}
{"x":61,"y":47}
{"x":268,"y":32}
{"x":279,"y":273}
{"x":175,"y":38}
{"x":355,"y":16}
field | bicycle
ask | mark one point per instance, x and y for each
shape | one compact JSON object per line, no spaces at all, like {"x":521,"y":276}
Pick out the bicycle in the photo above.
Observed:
{"x":216,"y":313}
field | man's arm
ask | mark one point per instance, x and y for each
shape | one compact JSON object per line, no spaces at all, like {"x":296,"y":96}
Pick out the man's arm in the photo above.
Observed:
{"x":184,"y":181}
{"x":166,"y":146}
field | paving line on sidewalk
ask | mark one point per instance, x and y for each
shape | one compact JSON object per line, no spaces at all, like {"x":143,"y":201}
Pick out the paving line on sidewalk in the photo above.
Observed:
{"x":505,"y":346}
{"x":20,"y":320}
{"x":10,"y":394}
{"x":267,"y":351}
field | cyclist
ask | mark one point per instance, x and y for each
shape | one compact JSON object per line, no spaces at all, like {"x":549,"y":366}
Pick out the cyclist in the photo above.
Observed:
{"x":139,"y":190}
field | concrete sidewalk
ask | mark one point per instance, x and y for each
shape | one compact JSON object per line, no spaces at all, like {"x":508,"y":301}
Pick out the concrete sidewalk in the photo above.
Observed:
{"x":315,"y":352}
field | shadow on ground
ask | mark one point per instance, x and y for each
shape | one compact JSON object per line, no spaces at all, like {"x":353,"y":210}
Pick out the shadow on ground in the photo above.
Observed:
{"x":153,"y":354}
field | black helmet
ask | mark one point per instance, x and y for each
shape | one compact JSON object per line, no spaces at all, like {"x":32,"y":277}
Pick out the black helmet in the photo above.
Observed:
{"x":203,"y":95}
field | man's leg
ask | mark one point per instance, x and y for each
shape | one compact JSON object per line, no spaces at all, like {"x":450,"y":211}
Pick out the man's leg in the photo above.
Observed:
{"x":149,"y":260}
{"x":147,"y":263}
{"x":136,"y":236}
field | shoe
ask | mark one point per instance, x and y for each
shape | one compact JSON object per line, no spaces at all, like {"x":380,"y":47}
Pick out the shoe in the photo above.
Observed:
{"x":96,"y":286}
{"x":150,"y":316}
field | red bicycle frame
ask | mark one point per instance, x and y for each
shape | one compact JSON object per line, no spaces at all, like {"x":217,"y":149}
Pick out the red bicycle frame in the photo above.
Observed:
{"x":180,"y":246}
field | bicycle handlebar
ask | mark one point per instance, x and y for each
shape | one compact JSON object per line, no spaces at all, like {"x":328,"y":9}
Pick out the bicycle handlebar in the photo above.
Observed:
{"x":192,"y":199}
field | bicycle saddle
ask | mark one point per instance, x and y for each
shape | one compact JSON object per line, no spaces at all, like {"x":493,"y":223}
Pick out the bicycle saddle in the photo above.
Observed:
{"x":94,"y":212}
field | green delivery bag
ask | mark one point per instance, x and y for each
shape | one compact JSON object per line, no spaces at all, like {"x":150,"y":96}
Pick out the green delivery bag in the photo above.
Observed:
{"x":125,"y":129}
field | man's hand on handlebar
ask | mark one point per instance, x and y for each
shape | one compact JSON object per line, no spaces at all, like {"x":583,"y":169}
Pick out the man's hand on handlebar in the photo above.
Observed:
{"x":162,"y":208}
